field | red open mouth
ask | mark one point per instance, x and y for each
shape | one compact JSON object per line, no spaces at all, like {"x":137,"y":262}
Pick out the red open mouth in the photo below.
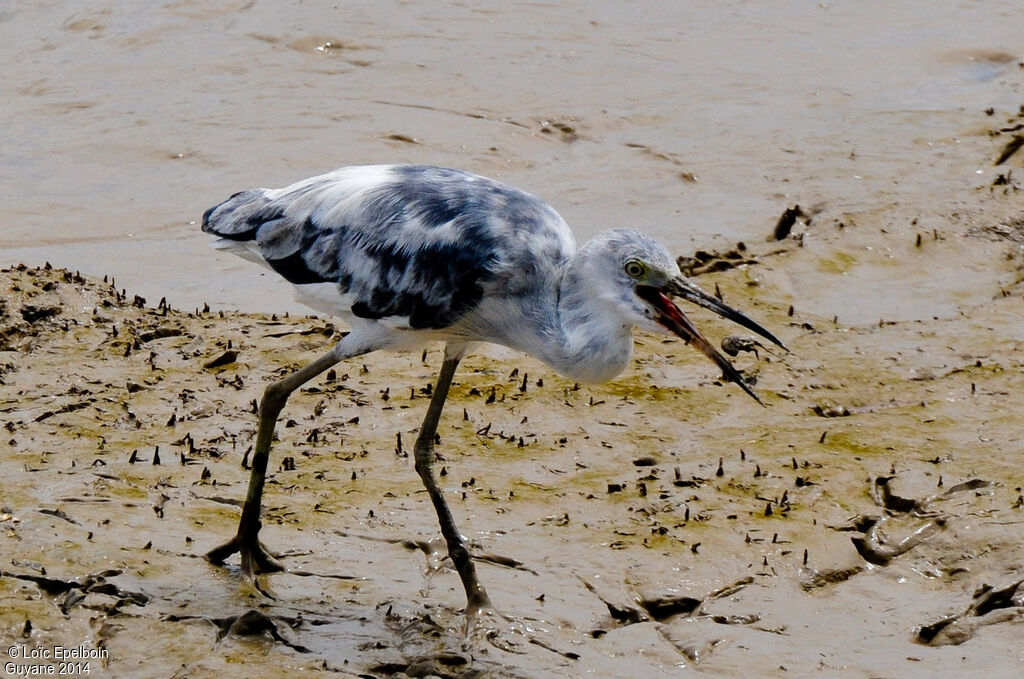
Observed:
{"x":672,"y":317}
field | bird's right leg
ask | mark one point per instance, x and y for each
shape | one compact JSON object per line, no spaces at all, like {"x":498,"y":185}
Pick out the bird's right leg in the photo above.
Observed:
{"x":476,"y":596}
{"x":255,"y":558}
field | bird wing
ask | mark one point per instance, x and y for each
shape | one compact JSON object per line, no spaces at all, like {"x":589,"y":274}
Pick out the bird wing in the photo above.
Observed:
{"x":417,"y":242}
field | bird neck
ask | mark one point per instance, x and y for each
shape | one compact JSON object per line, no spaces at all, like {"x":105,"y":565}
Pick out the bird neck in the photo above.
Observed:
{"x":594,"y":339}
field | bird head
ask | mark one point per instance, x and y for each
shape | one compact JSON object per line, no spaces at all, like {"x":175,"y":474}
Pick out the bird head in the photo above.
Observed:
{"x":650,"y":279}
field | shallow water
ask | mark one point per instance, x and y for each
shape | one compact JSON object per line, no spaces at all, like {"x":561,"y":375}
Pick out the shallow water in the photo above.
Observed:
{"x":124,"y":121}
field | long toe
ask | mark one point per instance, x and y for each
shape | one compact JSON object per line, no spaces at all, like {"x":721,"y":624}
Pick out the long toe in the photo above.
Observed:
{"x":218,"y":555}
{"x":256,"y":559}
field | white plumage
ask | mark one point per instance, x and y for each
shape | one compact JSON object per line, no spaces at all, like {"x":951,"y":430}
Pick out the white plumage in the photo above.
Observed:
{"x":408,"y":254}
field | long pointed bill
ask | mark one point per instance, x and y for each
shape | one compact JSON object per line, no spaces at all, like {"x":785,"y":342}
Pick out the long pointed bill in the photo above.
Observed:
{"x":670,"y":316}
{"x":680,"y":287}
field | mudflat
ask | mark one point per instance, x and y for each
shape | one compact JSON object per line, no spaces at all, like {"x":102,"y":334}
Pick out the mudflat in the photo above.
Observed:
{"x":850,"y":174}
{"x":868,"y":522}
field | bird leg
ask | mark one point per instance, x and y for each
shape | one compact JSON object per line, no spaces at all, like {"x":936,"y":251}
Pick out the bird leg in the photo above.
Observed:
{"x":255,"y":558}
{"x":476,"y":596}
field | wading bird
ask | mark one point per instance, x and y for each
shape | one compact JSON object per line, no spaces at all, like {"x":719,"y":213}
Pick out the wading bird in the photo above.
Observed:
{"x":409,"y":254}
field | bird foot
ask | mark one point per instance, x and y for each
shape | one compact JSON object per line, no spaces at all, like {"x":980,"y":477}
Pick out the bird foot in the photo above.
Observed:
{"x":486,"y":625}
{"x":256,"y":559}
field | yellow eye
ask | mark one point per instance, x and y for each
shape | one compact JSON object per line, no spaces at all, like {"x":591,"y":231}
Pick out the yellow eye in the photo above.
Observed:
{"x":635,"y":269}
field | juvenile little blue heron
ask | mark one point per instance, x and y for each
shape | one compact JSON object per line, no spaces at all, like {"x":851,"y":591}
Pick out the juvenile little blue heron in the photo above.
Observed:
{"x":408,"y":254}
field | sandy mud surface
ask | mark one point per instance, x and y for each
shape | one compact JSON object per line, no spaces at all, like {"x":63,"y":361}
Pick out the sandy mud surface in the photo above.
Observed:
{"x":868,"y":522}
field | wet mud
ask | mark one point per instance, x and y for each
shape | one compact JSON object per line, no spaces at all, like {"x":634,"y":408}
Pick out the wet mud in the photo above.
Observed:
{"x":661,"y":521}
{"x":852,"y":180}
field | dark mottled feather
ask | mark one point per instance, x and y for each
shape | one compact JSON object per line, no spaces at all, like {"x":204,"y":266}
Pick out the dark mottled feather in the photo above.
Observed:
{"x":417,"y":242}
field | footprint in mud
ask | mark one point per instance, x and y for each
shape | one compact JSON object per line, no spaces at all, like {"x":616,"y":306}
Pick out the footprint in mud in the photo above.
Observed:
{"x":990,"y":606}
{"x":664,"y":607}
{"x":877,"y":543}
{"x":444,"y":665}
{"x":452,"y":645}
{"x":75,"y":590}
{"x":251,"y":623}
{"x":875,"y":546}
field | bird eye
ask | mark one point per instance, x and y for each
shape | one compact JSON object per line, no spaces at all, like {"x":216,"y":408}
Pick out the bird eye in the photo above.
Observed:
{"x":635,"y":269}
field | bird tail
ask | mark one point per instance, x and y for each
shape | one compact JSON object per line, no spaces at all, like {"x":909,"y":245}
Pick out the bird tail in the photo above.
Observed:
{"x":239,"y":217}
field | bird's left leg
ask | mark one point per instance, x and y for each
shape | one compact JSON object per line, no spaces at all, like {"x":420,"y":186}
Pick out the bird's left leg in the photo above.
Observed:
{"x":255,"y":558}
{"x":476,"y":596}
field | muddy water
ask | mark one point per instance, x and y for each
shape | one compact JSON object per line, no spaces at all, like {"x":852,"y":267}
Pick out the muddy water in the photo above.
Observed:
{"x":124,"y":121}
{"x":625,"y":551}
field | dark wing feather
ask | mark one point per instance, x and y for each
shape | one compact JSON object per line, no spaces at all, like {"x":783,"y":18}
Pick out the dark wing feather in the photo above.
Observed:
{"x":407,"y":241}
